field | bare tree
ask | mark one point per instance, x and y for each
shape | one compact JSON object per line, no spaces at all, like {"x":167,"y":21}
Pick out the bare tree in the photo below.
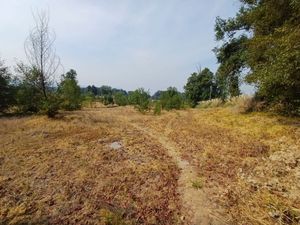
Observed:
{"x":40,"y":51}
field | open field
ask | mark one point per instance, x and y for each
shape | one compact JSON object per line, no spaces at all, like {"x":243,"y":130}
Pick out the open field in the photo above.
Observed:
{"x":117,"y":166}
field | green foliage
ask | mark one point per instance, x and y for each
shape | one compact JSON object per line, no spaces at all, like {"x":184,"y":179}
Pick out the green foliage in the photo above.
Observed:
{"x":231,"y":56}
{"x":157,"y":108}
{"x":171,"y":99}
{"x":197,"y":184}
{"x":200,"y":86}
{"x":156,"y":95}
{"x":88,"y":99}
{"x":278,"y":78}
{"x":264,"y":37}
{"x":29,"y":97}
{"x":51,"y":106}
{"x":108,"y":217}
{"x":6,"y":89}
{"x":108,"y":99}
{"x":140,"y":99}
{"x":92,"y":89}
{"x":105,"y":90}
{"x":69,"y":91}
{"x":120,"y":99}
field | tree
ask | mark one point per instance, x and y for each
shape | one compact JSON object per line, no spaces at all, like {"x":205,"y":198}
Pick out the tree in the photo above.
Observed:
{"x":105,"y":90}
{"x":120,"y":99}
{"x":140,"y":99}
{"x":108,"y":99}
{"x":156,"y":95}
{"x":69,"y":91}
{"x":92,"y":89}
{"x":231,"y":56}
{"x":41,"y":53}
{"x":200,"y":86}
{"x":171,"y":99}
{"x":29,"y":97}
{"x":6,"y":89}
{"x":265,"y":34}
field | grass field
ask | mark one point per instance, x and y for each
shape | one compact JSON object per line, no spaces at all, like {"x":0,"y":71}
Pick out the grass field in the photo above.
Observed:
{"x":117,"y":166}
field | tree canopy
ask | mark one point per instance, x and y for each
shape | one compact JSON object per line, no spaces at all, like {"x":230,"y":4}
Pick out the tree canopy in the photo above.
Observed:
{"x":263,"y":37}
{"x":69,"y":91}
{"x":6,"y":89}
{"x":200,"y":86}
{"x":171,"y":99}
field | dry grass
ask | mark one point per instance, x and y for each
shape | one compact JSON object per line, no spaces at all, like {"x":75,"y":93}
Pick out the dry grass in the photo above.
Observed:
{"x":250,"y":162}
{"x":213,"y":103}
{"x":64,"y":172}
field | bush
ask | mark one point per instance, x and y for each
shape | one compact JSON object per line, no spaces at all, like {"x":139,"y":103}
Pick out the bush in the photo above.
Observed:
{"x":157,"y":108}
{"x":28,"y":97}
{"x":140,"y":99}
{"x":120,"y":99}
{"x":108,"y":99}
{"x":51,"y":106}
{"x":171,"y":99}
{"x":88,"y":99}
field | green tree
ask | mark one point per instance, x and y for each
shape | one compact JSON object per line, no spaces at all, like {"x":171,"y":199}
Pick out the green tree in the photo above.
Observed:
{"x":231,"y":56}
{"x":105,"y":90}
{"x":69,"y":91}
{"x":266,"y":35}
{"x":157,"y":108}
{"x":29,"y":97}
{"x":108,"y":99}
{"x":120,"y":99}
{"x":6,"y":89}
{"x":140,"y":99}
{"x":92,"y":89}
{"x":171,"y":99}
{"x":200,"y":86}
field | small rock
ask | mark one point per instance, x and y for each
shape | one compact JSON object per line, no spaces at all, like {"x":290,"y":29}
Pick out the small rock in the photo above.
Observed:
{"x":115,"y":145}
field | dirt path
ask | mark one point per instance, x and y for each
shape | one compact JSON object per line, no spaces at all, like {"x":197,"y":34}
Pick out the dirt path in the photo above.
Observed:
{"x":197,"y":209}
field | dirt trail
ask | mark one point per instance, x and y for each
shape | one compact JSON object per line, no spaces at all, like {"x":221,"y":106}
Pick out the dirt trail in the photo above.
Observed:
{"x":197,"y":209}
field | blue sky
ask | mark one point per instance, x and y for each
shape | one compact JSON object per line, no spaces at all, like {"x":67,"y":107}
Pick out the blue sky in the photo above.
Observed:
{"x":126,"y":43}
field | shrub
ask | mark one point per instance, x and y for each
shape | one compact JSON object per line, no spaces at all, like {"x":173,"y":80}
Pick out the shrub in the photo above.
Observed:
{"x":171,"y":99}
{"x":88,"y":99}
{"x":157,"y":108}
{"x":28,"y":97}
{"x":197,"y":184}
{"x":51,"y":106}
{"x":140,"y":99}
{"x":108,"y":99}
{"x":120,"y":99}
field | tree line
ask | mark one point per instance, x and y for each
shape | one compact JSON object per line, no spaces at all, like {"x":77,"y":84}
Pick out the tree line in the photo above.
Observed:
{"x":259,"y":45}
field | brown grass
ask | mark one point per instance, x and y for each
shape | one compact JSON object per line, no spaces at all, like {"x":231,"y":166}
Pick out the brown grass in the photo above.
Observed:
{"x":62,"y":171}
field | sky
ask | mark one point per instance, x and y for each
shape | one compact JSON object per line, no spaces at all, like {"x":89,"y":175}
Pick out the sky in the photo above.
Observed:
{"x":126,"y":44}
